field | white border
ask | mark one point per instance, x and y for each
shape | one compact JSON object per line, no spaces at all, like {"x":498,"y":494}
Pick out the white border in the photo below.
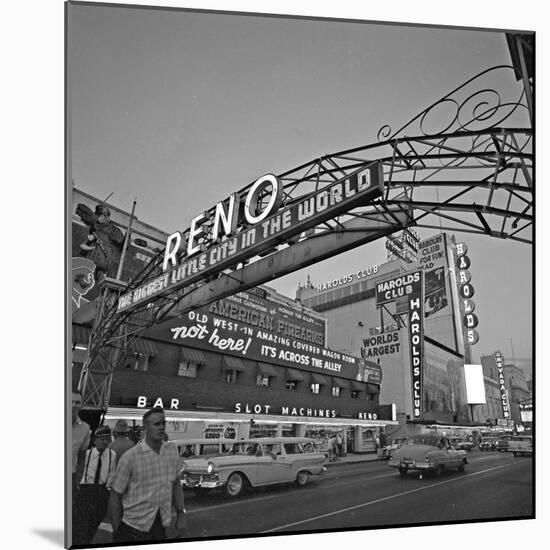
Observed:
{"x":33,"y":44}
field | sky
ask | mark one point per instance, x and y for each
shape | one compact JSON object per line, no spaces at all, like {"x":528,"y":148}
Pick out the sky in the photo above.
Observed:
{"x":178,"y":110}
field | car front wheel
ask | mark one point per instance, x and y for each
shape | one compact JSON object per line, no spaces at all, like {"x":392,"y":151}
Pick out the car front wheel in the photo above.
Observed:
{"x":403,"y":470}
{"x":235,"y":485}
{"x":302,"y":479}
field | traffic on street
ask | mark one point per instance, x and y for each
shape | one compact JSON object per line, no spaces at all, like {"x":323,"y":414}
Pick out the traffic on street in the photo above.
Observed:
{"x":367,"y":494}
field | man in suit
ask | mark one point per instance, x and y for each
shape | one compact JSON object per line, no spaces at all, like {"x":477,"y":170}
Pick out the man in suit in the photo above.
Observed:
{"x":93,"y":490}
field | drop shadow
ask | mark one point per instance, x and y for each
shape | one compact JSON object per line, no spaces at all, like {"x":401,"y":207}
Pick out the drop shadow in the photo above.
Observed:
{"x":56,"y":536}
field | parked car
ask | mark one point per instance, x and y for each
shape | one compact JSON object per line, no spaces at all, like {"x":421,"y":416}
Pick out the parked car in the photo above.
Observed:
{"x":428,"y":453}
{"x":254,"y":463}
{"x":462,"y":444}
{"x":521,"y":445}
{"x":488,"y":444}
{"x":395,"y":444}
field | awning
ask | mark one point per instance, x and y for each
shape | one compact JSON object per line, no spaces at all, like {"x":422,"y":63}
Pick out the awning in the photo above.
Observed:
{"x":233,"y":363}
{"x":294,"y":375}
{"x":358,"y":386}
{"x":143,"y":347}
{"x":318,"y":379}
{"x":267,"y":370}
{"x":373,"y":388}
{"x":81,"y":335}
{"x":340,"y":383}
{"x":193,"y":356}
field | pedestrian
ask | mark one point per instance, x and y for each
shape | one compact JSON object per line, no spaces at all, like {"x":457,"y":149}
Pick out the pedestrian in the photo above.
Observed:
{"x":146,"y":487}
{"x":121,"y":442}
{"x":339,"y":444}
{"x":93,"y":490}
{"x":80,"y":441}
{"x":330,"y":449}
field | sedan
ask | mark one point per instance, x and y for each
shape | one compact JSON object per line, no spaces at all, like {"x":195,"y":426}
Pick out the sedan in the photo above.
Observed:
{"x":428,"y":453}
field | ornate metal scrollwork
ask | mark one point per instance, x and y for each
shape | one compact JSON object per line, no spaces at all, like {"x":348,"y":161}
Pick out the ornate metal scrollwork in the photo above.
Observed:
{"x":473,"y":106}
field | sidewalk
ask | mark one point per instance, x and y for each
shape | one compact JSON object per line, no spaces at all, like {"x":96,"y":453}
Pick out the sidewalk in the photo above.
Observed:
{"x":353,"y":459}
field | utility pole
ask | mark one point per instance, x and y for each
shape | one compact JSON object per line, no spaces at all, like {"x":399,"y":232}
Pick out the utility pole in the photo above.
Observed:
{"x":126,"y":240}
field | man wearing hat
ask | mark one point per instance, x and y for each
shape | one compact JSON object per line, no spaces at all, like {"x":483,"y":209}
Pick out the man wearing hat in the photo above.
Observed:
{"x":93,"y":490}
{"x":121,"y":443}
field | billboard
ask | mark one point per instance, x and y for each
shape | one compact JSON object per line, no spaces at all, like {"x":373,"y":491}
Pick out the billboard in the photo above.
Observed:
{"x":270,"y":343}
{"x":433,"y":260}
{"x":260,"y":234}
{"x":256,"y":309}
{"x":475,"y":385}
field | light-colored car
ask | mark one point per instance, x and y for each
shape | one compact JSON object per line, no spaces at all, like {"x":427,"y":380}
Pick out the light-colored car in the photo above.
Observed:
{"x":521,"y":445}
{"x":254,"y":463}
{"x":203,"y":446}
{"x":428,"y":453}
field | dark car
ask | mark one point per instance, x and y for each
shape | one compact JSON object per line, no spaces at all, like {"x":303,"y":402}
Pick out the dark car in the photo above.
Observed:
{"x":488,"y":444}
{"x":462,"y":444}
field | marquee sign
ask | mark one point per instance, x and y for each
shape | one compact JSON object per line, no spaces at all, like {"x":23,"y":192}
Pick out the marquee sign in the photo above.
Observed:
{"x":411,"y":287}
{"x":203,"y":330}
{"x":348,"y":278}
{"x":466,"y":291}
{"x":416,"y":341}
{"x":174,"y":404}
{"x":502,"y":384}
{"x":243,"y":228}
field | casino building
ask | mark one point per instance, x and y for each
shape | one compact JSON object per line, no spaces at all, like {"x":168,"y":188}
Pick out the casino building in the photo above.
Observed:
{"x":357,"y":325}
{"x":256,"y":363}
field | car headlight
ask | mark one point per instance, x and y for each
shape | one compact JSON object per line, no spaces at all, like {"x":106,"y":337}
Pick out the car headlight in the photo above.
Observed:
{"x":210,"y":468}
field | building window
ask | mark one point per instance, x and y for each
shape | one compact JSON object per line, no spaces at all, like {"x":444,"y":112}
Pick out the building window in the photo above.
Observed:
{"x":262,"y":380}
{"x":315,"y":388}
{"x":354,"y":394}
{"x":335,"y":391}
{"x":187,"y":368}
{"x":230,"y":376}
{"x":141,"y":362}
{"x":291,"y":385}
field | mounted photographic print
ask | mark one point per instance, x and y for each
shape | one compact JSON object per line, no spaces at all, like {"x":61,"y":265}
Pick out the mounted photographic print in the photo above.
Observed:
{"x":300,"y":275}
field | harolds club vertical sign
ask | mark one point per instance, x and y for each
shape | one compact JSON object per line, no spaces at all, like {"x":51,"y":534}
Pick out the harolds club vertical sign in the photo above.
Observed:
{"x":416,"y":340}
{"x":411,"y":287}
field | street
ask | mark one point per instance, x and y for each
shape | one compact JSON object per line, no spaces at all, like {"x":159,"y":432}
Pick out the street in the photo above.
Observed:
{"x":368,"y":494}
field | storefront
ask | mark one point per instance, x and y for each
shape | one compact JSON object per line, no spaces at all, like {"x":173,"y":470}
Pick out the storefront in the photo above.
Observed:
{"x":359,"y":436}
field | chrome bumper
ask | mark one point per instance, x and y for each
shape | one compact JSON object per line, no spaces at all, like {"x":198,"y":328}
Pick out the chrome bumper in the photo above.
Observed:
{"x":412,"y":465}
{"x":201,"y":482}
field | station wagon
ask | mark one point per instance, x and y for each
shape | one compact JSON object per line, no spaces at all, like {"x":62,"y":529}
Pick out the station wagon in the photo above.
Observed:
{"x":254,"y":463}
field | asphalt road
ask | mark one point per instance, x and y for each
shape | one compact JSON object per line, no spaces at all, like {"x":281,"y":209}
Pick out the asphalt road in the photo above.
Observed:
{"x":495,"y":485}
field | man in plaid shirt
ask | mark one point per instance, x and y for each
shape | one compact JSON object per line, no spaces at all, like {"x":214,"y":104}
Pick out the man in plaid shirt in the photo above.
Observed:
{"x":146,"y":485}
